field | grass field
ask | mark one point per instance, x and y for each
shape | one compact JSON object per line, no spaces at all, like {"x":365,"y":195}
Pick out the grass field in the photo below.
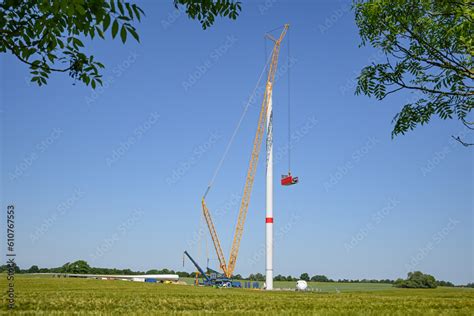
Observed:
{"x":82,"y":296}
{"x":321,"y":286}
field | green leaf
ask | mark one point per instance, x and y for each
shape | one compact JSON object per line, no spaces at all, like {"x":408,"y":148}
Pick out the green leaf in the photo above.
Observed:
{"x":132,"y":31}
{"x":137,"y":12}
{"x":35,"y":64}
{"x":80,"y":9}
{"x":115,"y":27}
{"x":99,"y":32}
{"x":77,"y":42}
{"x":51,"y":57}
{"x":129,"y":9}
{"x":123,"y":34}
{"x":106,"y":22}
{"x":31,"y":51}
{"x":120,"y":7}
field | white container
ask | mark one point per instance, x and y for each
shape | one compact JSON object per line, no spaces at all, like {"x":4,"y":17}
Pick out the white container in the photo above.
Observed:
{"x":301,"y":285}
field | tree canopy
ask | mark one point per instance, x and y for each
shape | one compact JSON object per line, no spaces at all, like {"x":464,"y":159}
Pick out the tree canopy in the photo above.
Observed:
{"x":417,"y":280}
{"x":304,"y":276}
{"x":79,"y":266}
{"x":49,"y":35}
{"x":33,"y":269}
{"x":428,"y":47}
{"x":207,"y":10}
{"x":319,"y":278}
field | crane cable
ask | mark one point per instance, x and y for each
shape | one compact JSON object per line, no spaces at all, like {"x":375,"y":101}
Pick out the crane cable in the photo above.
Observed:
{"x":288,"y":66}
{"x":289,"y":107}
{"x":239,"y":123}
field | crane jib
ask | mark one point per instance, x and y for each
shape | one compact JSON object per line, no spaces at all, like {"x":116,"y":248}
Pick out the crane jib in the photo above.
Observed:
{"x":229,"y":269}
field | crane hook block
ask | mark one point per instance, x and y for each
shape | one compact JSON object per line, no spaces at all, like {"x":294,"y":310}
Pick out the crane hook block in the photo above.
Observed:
{"x":288,"y":179}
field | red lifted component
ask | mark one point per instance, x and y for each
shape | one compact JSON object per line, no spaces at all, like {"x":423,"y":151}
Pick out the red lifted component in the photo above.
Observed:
{"x":288,"y":179}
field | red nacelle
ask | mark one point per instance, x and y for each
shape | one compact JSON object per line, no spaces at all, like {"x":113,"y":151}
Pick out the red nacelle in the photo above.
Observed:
{"x":288,"y":180}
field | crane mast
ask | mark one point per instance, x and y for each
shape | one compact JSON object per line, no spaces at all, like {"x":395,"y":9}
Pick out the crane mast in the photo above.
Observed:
{"x":229,"y":269}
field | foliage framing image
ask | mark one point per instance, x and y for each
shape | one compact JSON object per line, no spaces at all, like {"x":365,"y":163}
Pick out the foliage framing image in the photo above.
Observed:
{"x":48,"y":35}
{"x":428,"y":45}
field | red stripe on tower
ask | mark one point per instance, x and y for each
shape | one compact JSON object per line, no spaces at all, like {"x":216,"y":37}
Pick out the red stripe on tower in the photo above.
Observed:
{"x":269,"y":220}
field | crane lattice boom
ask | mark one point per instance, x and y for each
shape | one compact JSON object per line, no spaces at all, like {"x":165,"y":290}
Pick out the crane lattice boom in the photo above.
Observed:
{"x":229,"y":269}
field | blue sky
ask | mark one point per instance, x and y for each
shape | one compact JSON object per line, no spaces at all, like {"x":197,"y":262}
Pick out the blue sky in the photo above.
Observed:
{"x":115,"y":176}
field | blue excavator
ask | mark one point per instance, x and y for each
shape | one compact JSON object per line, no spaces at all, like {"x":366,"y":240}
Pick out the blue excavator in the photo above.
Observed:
{"x":212,"y":277}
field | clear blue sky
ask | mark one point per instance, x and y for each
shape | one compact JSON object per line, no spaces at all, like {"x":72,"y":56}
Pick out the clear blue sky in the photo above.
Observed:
{"x":115,"y":176}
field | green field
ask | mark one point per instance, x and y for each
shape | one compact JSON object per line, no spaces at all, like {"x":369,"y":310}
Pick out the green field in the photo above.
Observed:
{"x":82,"y":296}
{"x":321,"y":286}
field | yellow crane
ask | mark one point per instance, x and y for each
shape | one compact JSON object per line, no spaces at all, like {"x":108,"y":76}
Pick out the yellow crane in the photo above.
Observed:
{"x":244,"y":205}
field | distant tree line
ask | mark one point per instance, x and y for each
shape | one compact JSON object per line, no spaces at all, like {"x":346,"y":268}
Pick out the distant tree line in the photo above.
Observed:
{"x":445,"y":283}
{"x":414,"y":280}
{"x":82,"y":267}
{"x":323,"y":278}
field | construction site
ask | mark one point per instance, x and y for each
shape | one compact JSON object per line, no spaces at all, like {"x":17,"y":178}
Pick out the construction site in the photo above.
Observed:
{"x":264,"y":134}
{"x":221,"y":156}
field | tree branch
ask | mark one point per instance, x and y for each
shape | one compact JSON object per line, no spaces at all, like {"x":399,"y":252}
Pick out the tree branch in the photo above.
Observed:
{"x":462,"y":142}
{"x":43,"y":66}
{"x":401,"y":83}
{"x":437,"y":52}
{"x":393,"y":91}
{"x":468,"y":124}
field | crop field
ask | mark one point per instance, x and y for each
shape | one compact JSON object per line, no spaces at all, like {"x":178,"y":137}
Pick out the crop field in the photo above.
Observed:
{"x":321,"y":286}
{"x":36,"y":295}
